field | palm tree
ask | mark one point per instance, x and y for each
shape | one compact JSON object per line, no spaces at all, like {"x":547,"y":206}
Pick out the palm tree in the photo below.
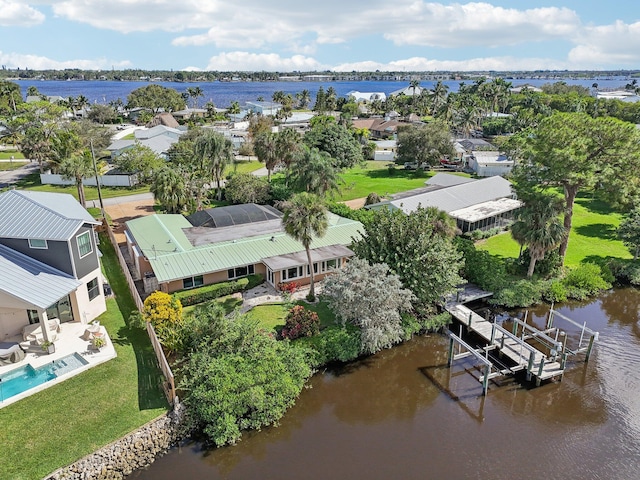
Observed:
{"x":289,"y":146}
{"x":77,"y":168}
{"x":265,"y":148}
{"x":305,"y":217}
{"x":213,"y":151}
{"x":304,"y":98}
{"x":439,"y":96}
{"x":170,"y":190}
{"x":539,"y":227}
{"x":314,"y":173}
{"x":443,"y":224}
{"x":194,"y":93}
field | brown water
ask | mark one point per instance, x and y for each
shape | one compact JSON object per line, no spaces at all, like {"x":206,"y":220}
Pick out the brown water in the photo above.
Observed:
{"x":386,"y":418}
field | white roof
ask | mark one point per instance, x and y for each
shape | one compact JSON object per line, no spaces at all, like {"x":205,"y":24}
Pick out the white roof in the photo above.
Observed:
{"x":491,"y":158}
{"x":486,"y":209}
{"x":448,"y":180}
{"x":368,"y":96}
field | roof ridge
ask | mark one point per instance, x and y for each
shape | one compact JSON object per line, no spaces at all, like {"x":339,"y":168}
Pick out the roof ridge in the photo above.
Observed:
{"x":26,"y":197}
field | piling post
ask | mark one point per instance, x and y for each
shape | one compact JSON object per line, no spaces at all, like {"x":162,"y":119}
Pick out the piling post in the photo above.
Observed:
{"x":589,"y":348}
{"x":470,"y":317}
{"x":493,"y":333}
{"x":450,"y":358}
{"x":530,"y":365}
{"x":550,"y":317}
{"x":582,"y":335}
{"x":485,"y":380}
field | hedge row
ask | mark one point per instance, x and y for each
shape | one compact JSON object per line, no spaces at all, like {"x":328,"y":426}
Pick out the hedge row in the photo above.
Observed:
{"x":198,"y":295}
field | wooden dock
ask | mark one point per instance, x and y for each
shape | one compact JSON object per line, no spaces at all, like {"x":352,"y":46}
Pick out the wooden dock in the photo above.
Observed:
{"x":523,"y":355}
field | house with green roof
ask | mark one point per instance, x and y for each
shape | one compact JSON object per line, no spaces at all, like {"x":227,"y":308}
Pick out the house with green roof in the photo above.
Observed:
{"x":176,"y":252}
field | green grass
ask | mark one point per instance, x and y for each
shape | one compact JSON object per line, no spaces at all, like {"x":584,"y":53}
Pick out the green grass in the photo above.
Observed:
{"x":593,"y":235}
{"x":4,"y":166}
{"x":228,"y":302}
{"x":271,"y":316}
{"x":32,"y":182}
{"x":243,"y":167}
{"x":65,"y":422}
{"x":375,"y":177}
{"x":7,"y":154}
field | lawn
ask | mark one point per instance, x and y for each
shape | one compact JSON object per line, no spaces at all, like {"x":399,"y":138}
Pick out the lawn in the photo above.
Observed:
{"x":375,"y":177}
{"x":243,"y":167}
{"x":593,"y":234}
{"x":271,"y":316}
{"x":59,"y":425}
{"x":32,"y":182}
{"x":7,"y":154}
{"x":4,"y":166}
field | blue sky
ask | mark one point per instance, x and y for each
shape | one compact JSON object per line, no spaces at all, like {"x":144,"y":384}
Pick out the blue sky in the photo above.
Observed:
{"x":345,"y":35}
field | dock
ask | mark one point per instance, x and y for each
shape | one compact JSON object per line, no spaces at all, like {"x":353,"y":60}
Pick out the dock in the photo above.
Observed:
{"x":523,"y":356}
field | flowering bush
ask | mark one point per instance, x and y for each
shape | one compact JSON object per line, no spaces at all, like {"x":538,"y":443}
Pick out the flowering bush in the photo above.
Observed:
{"x":301,"y":322}
{"x":289,"y":287}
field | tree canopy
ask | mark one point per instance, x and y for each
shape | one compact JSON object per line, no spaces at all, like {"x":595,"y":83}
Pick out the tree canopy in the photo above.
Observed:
{"x":425,"y":144}
{"x":426,"y":262}
{"x":370,"y":297}
{"x":156,"y":98}
{"x":337,"y":141}
{"x":575,"y":151}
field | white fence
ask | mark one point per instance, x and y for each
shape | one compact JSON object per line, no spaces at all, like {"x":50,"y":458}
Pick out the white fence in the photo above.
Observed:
{"x":384,"y":155}
{"x":120,"y":180}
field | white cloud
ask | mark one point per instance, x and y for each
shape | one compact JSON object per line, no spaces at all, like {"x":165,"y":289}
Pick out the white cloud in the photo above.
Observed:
{"x":258,"y":24}
{"x":473,"y":64}
{"x":245,"y":61}
{"x":615,"y":44}
{"x":37,"y":62}
{"x":17,"y":14}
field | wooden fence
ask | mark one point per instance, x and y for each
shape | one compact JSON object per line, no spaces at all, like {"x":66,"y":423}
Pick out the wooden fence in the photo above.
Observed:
{"x":169,"y":384}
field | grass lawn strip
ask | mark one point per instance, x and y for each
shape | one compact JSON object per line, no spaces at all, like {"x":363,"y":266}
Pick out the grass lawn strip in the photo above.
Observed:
{"x":271,"y":316}
{"x":65,"y":422}
{"x":375,"y":177}
{"x":6,"y":166}
{"x":593,"y":235}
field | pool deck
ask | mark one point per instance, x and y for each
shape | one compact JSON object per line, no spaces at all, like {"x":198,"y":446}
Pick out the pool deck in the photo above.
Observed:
{"x":69,"y":341}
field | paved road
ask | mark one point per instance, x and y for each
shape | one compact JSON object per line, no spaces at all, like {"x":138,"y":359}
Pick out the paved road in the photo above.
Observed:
{"x":10,"y":177}
{"x":118,"y":200}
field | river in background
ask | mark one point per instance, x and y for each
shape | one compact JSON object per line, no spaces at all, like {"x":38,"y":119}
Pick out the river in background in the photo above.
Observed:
{"x":389,"y":417}
{"x":223,"y":93}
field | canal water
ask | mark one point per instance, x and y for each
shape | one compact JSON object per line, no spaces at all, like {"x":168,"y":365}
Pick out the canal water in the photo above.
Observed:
{"x":402,"y":414}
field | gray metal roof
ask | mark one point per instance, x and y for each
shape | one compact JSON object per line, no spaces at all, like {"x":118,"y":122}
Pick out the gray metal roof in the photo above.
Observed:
{"x":41,"y":215}
{"x":448,"y":180}
{"x":31,"y":281}
{"x":455,"y":197}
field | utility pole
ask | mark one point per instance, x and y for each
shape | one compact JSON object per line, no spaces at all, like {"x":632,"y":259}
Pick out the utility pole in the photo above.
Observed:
{"x":95,"y":169}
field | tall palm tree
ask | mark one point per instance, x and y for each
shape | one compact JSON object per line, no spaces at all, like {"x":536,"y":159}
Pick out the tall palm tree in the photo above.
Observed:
{"x":289,"y":146}
{"x":170,"y":190}
{"x":214,"y":152}
{"x":539,"y":227}
{"x":265,"y":148}
{"x":438,"y":97}
{"x":194,"y":93}
{"x":77,"y":168}
{"x":305,"y":217}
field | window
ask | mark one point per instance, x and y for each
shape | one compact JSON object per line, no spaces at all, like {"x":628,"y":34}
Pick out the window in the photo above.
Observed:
{"x":84,"y":244}
{"x":38,"y":243}
{"x":291,"y":273}
{"x":93,"y":288}
{"x":331,"y":264}
{"x":193,"y":282}
{"x":240,"y":271}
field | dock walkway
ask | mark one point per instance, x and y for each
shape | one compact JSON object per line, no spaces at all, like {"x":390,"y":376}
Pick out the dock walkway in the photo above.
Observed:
{"x":523,"y":355}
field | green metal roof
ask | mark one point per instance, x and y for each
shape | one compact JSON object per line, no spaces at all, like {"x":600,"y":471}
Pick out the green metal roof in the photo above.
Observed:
{"x":172,"y":257}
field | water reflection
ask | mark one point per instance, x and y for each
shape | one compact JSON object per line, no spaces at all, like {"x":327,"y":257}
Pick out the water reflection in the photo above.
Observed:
{"x":384,"y":418}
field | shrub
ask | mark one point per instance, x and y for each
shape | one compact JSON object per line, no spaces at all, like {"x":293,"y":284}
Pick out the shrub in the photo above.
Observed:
{"x":522,"y":293}
{"x":584,"y":281}
{"x":625,"y":271}
{"x":164,"y":312}
{"x":300,"y":322}
{"x":288,"y":287}
{"x":555,"y":292}
{"x":334,"y":344}
{"x":413,"y":324}
{"x":372,"y":198}
{"x":247,"y":188}
{"x":480,"y":267}
{"x":549,"y":266}
{"x":217,"y":290}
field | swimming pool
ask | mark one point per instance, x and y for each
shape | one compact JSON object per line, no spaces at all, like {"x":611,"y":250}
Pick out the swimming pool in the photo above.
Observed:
{"x":26,"y":377}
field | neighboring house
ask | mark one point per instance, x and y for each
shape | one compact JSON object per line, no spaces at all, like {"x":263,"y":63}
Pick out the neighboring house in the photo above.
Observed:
{"x":384,"y":128}
{"x":488,"y":164}
{"x":263,"y":108}
{"x":174,"y":252}
{"x":525,"y":88}
{"x":409,"y":91}
{"x":358,"y":97}
{"x":158,"y":138}
{"x":188,"y":113}
{"x":623,"y":95}
{"x":385,"y":150}
{"x":49,"y":261}
{"x":474,"y":204}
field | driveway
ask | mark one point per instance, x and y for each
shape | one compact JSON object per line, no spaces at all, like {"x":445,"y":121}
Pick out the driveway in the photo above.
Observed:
{"x":10,"y":177}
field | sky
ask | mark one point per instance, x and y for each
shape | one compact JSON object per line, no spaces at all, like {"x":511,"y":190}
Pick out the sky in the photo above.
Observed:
{"x":312,"y":35}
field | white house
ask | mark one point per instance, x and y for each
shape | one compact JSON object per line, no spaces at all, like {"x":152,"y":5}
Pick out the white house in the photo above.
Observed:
{"x":490,"y":163}
{"x":365,"y":96}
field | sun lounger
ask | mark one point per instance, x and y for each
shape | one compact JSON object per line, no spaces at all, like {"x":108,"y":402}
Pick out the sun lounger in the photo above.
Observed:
{"x":10,"y":352}
{"x":34,"y":328}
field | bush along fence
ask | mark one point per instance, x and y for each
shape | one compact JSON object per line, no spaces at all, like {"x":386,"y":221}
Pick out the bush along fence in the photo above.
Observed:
{"x":198,"y":295}
{"x":169,"y":384}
